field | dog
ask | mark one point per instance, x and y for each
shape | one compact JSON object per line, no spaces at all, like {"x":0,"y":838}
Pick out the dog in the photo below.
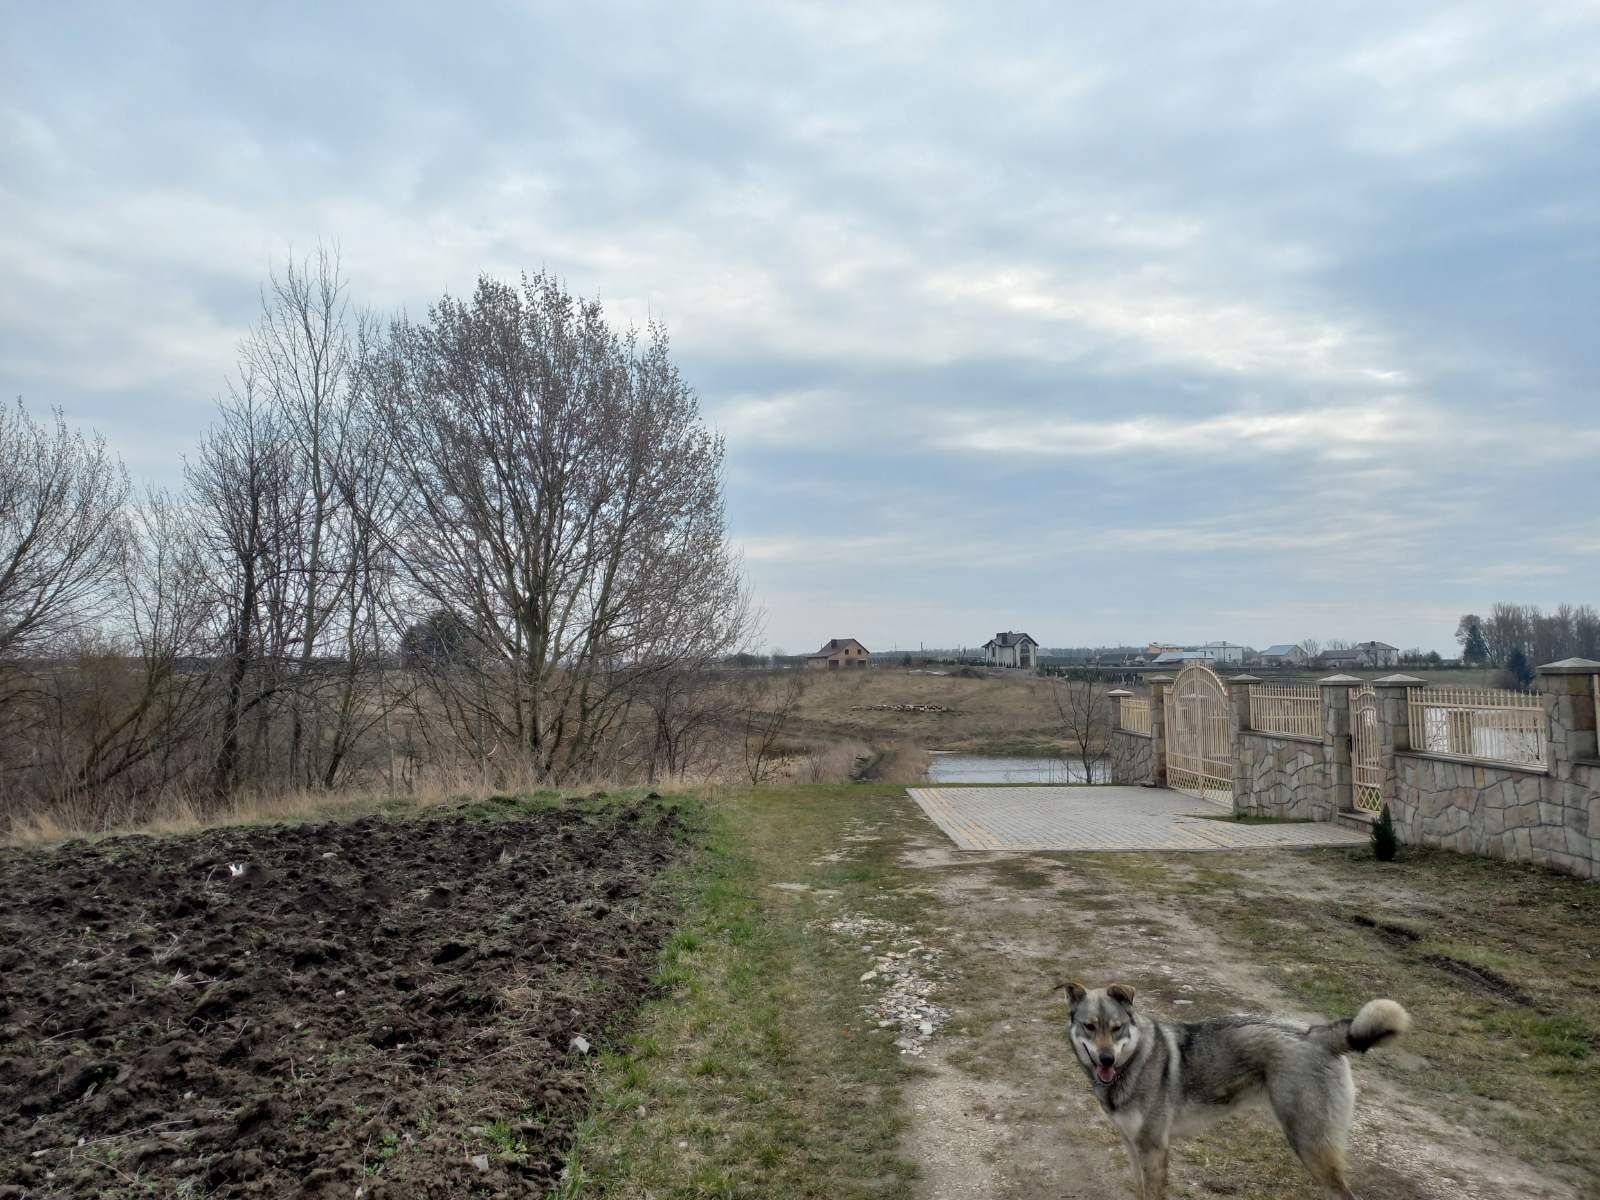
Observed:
{"x":1158,"y":1080}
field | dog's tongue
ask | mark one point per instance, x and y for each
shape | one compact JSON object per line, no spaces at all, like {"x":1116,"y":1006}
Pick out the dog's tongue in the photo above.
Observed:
{"x":1105,"y":1074}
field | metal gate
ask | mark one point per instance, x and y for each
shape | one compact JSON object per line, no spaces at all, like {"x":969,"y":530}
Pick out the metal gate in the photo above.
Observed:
{"x":1199,"y":748}
{"x":1365,"y":756}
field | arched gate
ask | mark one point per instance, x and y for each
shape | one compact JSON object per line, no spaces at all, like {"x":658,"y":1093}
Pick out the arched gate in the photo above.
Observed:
{"x":1199,"y":748}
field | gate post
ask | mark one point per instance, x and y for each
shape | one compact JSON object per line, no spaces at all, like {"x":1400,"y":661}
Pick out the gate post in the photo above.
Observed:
{"x":1239,"y":701}
{"x":1158,"y":728}
{"x":1394,"y":735}
{"x":1337,"y":734}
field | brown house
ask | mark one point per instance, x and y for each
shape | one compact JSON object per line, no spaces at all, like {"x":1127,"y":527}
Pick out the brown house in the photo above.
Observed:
{"x":839,"y":652}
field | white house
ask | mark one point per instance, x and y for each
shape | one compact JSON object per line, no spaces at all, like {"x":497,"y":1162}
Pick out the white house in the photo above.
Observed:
{"x":1011,"y":650}
{"x":1224,"y":652}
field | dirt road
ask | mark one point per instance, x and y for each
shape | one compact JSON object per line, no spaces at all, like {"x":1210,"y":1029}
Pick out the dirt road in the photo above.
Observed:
{"x":1001,"y":1111}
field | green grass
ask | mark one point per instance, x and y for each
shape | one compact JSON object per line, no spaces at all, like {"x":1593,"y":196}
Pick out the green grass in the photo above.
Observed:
{"x":755,"y":1072}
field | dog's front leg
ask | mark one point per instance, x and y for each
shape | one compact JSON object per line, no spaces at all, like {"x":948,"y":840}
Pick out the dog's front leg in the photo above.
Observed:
{"x":1153,"y":1171}
{"x":1136,"y":1161}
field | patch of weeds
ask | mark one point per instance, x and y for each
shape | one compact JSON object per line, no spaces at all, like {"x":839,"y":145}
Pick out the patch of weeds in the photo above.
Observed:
{"x":1562,"y":1037}
{"x":388,"y":1146}
{"x":507,"y":1143}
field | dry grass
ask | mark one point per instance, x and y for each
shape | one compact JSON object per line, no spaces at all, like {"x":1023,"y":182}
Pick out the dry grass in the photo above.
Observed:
{"x":996,"y":712}
{"x":185,"y":814}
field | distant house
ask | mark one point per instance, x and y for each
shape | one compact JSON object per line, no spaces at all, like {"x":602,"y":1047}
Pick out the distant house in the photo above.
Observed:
{"x":1211,"y":652}
{"x":1011,"y":650}
{"x":1284,"y":655}
{"x":1362,"y":654}
{"x":1156,"y":649}
{"x":839,"y":652}
{"x":1378,"y":654}
{"x":1176,"y":658}
{"x":1225,"y":652}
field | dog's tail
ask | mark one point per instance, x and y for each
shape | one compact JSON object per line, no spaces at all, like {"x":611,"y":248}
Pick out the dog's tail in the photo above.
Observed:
{"x":1379,"y":1021}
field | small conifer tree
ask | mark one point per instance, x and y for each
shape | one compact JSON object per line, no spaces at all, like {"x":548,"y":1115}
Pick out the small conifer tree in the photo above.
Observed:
{"x":1385,"y":842}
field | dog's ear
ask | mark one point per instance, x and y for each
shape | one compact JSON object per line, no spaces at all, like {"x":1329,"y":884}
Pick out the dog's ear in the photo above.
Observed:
{"x":1123,"y":992}
{"x":1075,"y":991}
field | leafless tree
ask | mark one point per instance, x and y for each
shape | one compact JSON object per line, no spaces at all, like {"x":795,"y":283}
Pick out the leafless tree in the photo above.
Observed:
{"x":242,"y":484}
{"x":686,"y":710}
{"x":768,"y":709}
{"x":1083,"y":712}
{"x":61,"y":498}
{"x":562,"y":494}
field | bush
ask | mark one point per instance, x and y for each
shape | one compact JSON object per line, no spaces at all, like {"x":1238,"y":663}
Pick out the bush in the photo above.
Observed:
{"x":1385,"y":842}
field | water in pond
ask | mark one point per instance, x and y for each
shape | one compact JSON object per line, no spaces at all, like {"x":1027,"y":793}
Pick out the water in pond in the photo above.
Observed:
{"x":947,"y":766}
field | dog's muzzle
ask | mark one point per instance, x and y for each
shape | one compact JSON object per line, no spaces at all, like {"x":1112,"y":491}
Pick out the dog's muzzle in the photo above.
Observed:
{"x":1105,"y":1070}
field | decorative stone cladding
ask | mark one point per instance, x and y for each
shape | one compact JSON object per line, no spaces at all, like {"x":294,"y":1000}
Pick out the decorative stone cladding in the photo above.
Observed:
{"x":1275,"y":775}
{"x":1550,"y":816}
{"x":1130,"y":756}
{"x":1494,"y":811}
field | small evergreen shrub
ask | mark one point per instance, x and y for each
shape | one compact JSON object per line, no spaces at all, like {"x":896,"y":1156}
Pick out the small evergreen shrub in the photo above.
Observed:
{"x":1385,"y":842}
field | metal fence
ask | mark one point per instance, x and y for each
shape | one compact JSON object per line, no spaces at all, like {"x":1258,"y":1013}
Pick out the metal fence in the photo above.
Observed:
{"x":1136,"y":714}
{"x":1488,"y":723}
{"x":1292,"y":708}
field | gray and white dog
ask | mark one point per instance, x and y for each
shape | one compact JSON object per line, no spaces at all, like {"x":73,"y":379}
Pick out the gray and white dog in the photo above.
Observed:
{"x":1158,"y":1080}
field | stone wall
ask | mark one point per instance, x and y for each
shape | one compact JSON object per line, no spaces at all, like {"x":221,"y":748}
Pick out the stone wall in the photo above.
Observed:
{"x":1275,"y":775}
{"x":1131,"y":755}
{"x":1481,"y":809}
{"x":1550,"y":816}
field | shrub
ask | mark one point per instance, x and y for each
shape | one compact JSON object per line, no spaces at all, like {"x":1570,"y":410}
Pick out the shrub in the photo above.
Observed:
{"x":1385,"y":842}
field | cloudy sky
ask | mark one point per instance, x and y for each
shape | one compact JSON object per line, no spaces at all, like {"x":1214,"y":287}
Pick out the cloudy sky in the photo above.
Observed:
{"x":1107,"y":322}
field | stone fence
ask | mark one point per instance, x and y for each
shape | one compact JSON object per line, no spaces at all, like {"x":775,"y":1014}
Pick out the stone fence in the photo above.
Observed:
{"x":1541,"y":812}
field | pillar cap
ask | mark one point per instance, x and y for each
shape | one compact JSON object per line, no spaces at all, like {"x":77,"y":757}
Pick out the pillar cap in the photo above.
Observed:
{"x":1119,"y":692}
{"x":1571,"y":666}
{"x":1399,"y":681}
{"x":1242,"y":679}
{"x":1340,"y":681}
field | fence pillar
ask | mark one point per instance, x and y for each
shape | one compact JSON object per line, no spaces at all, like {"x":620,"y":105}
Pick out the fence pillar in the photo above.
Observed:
{"x":1394,"y":735}
{"x":1337,"y":748}
{"x":1117,"y":696}
{"x":1239,"y":701}
{"x":1158,"y":728}
{"x":1567,"y":689}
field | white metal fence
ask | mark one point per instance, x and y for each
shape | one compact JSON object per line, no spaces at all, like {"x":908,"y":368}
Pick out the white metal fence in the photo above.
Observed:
{"x":1486,"y":723}
{"x":1292,"y":708}
{"x":1136,"y":714}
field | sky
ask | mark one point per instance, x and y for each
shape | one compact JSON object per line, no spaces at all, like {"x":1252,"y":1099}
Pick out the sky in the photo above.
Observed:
{"x":1110,"y":323}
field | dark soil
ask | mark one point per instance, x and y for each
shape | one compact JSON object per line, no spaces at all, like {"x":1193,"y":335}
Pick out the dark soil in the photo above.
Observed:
{"x":368,"y":1005}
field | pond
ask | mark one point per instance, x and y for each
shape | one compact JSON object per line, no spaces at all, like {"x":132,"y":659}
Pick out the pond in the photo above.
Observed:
{"x":950,"y":766}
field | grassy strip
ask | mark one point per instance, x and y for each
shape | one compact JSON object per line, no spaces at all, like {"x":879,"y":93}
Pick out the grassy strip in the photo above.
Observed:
{"x":756,"y":1073}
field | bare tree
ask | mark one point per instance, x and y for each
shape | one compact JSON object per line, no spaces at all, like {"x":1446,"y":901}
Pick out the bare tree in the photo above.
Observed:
{"x":61,"y":499}
{"x":686,"y":709}
{"x":1083,"y":711}
{"x":563,"y":495}
{"x":241,"y":482}
{"x":767,"y":713}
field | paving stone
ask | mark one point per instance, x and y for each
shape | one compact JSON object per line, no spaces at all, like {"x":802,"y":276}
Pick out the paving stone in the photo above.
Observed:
{"x":1105,"y":818}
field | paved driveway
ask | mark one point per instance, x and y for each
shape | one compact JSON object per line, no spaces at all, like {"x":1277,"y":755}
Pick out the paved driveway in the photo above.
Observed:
{"x":1104,"y":818}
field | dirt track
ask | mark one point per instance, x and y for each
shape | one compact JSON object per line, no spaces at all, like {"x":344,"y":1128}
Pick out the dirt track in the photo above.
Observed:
{"x":373,"y":1004}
